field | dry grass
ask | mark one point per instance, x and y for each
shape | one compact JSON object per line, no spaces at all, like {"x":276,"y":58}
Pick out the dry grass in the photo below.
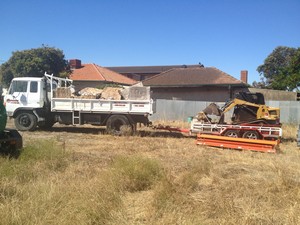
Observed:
{"x":46,"y":185}
{"x":150,"y":178}
{"x":289,"y":132}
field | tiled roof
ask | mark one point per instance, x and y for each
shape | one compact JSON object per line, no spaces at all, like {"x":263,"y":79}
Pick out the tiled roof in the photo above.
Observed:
{"x":198,"y":76}
{"x":147,"y":69}
{"x":93,"y":72}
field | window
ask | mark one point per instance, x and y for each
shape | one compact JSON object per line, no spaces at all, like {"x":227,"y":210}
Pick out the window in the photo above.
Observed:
{"x":54,"y":86}
{"x":33,"y":86}
{"x":18,"y":86}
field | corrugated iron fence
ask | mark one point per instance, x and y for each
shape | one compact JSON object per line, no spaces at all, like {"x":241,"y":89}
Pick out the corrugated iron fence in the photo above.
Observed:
{"x":181,"y":110}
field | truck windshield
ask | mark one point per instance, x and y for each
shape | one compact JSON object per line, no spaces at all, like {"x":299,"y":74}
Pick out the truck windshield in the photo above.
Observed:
{"x":18,"y":86}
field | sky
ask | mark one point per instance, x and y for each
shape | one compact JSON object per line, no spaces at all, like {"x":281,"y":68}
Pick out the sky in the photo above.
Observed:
{"x":231,"y":35}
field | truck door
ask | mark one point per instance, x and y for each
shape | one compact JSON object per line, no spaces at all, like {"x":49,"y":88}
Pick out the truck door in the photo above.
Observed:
{"x":16,"y":96}
{"x":33,"y":97}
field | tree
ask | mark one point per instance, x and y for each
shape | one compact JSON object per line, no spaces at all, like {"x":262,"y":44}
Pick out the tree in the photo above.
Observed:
{"x":280,"y":70}
{"x":34,"y":63}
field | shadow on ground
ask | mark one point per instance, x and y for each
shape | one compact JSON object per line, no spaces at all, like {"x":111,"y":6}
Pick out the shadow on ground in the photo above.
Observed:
{"x":102,"y":131}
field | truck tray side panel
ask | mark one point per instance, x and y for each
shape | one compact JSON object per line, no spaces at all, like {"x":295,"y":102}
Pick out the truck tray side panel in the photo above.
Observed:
{"x":96,"y":105}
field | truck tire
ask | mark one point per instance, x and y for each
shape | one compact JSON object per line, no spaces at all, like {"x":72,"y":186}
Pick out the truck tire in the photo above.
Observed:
{"x":118,"y":125}
{"x":232,"y":133}
{"x":26,"y":121}
{"x":250,"y":134}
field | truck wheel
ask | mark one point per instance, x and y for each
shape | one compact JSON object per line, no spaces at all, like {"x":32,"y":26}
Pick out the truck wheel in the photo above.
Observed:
{"x":118,"y":125}
{"x":251,"y":135}
{"x":231,"y":133}
{"x":26,"y":121}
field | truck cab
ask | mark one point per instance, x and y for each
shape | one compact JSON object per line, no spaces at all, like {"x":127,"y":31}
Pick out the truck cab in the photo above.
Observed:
{"x":28,"y":101}
{"x":25,"y":93}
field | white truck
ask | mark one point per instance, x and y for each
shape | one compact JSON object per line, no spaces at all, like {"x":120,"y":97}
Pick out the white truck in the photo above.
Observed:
{"x":33,"y":102}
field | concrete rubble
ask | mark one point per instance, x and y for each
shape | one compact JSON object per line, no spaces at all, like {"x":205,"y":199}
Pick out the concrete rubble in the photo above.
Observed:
{"x":108,"y":93}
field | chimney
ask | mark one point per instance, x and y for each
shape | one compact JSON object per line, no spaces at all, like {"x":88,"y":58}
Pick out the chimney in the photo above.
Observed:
{"x":244,"y":76}
{"x":75,"y":64}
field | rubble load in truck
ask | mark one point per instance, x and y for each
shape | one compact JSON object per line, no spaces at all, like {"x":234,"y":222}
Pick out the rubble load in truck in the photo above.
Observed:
{"x":108,"y":93}
{"x":40,"y":102}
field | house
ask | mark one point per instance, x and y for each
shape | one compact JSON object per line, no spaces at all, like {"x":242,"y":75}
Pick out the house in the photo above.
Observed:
{"x":196,"y":84}
{"x":92,"y":75}
{"x":140,"y":73}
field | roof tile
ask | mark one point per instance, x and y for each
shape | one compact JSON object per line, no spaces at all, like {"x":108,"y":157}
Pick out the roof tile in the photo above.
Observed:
{"x":93,"y":72}
{"x":197,"y":76}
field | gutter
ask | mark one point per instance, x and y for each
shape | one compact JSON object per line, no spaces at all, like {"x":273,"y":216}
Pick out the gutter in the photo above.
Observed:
{"x":196,"y":85}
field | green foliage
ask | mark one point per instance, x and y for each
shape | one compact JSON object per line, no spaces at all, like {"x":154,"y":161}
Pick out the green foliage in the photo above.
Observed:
{"x":34,"y":63}
{"x":280,"y":70}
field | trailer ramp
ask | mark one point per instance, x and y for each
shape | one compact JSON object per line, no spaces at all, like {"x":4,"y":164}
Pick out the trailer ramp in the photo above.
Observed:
{"x":237,"y":143}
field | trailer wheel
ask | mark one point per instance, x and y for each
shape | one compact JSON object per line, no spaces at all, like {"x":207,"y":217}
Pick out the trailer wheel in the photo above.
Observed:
{"x":251,"y":135}
{"x":118,"y":125}
{"x":26,"y":121}
{"x":232,"y":133}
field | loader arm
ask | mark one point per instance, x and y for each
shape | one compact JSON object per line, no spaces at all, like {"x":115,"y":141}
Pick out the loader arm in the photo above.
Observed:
{"x":263,"y":112}
{"x":236,"y":102}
